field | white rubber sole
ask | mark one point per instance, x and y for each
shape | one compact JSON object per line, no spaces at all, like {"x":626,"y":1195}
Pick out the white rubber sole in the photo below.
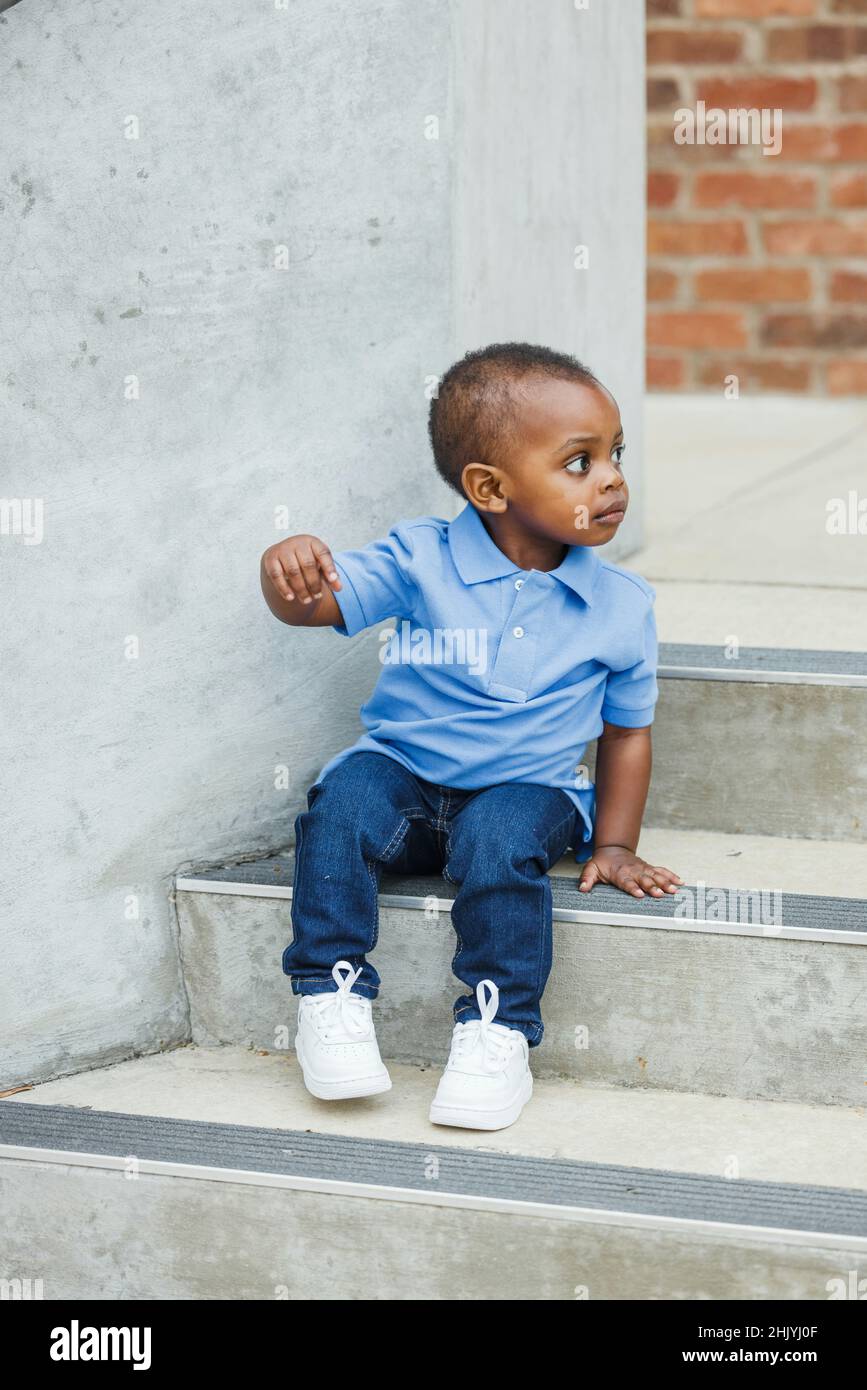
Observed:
{"x":348,"y":1088}
{"x":465,"y":1118}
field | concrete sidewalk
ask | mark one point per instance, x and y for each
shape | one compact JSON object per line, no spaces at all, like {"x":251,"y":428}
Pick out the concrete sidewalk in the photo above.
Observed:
{"x":737,"y":520}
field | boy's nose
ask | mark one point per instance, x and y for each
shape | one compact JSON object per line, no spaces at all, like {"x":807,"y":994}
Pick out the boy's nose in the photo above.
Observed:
{"x":612,"y":482}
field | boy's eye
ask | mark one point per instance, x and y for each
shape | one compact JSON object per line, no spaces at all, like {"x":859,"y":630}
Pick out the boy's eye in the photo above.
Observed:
{"x":618,"y":452}
{"x":579,"y":464}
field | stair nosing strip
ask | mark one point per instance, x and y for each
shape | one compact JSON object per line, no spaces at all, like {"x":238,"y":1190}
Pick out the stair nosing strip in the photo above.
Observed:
{"x":781,"y":1235}
{"x":762,"y":665}
{"x":589,"y":915}
{"x":467,"y":1171}
{"x":759,"y":677}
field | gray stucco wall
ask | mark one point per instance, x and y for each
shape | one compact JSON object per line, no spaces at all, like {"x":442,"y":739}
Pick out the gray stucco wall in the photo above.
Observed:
{"x":549,"y":134}
{"x":168,"y":384}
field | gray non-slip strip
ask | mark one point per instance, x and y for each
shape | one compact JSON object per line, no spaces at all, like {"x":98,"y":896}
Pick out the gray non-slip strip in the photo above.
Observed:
{"x":793,"y":660}
{"x":390,"y":1163}
{"x":795,"y":909}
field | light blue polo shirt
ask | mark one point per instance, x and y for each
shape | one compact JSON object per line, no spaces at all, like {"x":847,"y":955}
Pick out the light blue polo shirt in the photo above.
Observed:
{"x":494,"y":674}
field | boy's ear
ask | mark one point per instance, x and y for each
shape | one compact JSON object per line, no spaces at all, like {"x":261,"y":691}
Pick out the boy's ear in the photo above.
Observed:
{"x":483,"y":486}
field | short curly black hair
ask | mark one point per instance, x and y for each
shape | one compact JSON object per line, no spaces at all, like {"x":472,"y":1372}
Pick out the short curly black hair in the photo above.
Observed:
{"x":475,"y":406}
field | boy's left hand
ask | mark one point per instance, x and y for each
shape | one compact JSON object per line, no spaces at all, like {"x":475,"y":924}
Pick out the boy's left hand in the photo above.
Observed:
{"x":618,"y":866}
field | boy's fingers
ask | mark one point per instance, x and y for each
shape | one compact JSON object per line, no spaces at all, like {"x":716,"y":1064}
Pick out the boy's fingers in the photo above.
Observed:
{"x":651,"y":886}
{"x":312,"y":576}
{"x":630,"y":885}
{"x":274,"y":571}
{"x":670,"y":881}
{"x":327,"y":565}
{"x":647,"y":879}
{"x":589,"y":876}
{"x":666,"y":879}
{"x":668,"y":873}
{"x":295,"y":578}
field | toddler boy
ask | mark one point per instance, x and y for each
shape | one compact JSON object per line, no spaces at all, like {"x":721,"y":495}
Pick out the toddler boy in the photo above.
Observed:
{"x":515,"y":646}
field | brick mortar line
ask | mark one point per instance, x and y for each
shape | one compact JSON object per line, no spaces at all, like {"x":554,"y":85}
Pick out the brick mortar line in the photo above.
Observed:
{"x":772,"y":215}
{"x":736,"y":70}
{"x":796,"y":166}
{"x":656,"y":115}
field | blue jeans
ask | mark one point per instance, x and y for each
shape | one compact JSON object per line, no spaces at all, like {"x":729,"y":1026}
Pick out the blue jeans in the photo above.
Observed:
{"x":495,"y":844}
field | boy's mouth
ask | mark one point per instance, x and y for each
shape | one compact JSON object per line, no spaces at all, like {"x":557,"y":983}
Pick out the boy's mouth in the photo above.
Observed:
{"x":613,"y":514}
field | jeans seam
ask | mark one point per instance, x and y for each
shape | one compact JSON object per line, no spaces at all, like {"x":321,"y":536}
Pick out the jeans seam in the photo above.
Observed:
{"x":559,"y":826}
{"x":447,"y":856}
{"x":374,"y":887}
{"x":546,"y":891}
{"x":390,"y":852}
{"x":458,"y":939}
{"x":299,"y":836}
{"x":544,"y":903}
{"x":447,"y":831}
{"x":394,"y":843}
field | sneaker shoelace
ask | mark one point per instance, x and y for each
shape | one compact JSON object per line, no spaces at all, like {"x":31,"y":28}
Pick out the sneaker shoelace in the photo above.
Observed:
{"x":495,"y":1048}
{"x":341,"y":1005}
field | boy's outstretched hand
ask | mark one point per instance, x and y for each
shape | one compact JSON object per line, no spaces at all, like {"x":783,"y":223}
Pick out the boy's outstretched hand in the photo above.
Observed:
{"x":297,"y":567}
{"x":298,"y":577}
{"x":617,"y":865}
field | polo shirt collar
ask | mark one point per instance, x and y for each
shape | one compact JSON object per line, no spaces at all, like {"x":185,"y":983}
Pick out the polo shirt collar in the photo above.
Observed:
{"x":477,"y":558}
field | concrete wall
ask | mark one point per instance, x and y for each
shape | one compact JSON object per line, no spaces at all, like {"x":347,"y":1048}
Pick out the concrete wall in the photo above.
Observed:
{"x":167,"y":386}
{"x":549,"y":132}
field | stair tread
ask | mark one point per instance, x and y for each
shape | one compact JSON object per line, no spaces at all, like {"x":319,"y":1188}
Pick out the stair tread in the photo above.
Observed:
{"x":788,"y":615}
{"x":475,"y":1173}
{"x":743,"y":550}
{"x":758,"y":469}
{"x":796,"y":661}
{"x":795,"y":911}
{"x":620,"y":1127}
{"x":823,"y":868}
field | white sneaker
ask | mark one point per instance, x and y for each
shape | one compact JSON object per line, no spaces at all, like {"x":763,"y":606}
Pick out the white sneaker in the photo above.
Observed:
{"x":487,"y":1080}
{"x":336,"y":1043}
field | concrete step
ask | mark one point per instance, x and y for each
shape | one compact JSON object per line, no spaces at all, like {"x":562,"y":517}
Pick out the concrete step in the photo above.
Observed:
{"x":740,"y":990}
{"x":211,"y":1173}
{"x":743,"y":544}
{"x":771,"y":741}
{"x":741,"y":497}
{"x":760,"y":615}
{"x":825,"y":868}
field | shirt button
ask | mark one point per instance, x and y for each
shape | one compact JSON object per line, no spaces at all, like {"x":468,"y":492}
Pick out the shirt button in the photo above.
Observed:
{"x":517,"y":632}
{"x":519,"y":583}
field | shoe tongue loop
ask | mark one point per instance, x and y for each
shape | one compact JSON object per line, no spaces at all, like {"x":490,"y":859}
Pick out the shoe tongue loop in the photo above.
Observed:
{"x":344,"y":982}
{"x":352,"y":1018}
{"x":487,"y":1007}
{"x":481,"y":1038}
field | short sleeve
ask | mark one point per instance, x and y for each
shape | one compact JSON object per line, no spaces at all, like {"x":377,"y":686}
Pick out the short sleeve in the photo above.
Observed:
{"x":376,"y":582}
{"x":631,"y":695}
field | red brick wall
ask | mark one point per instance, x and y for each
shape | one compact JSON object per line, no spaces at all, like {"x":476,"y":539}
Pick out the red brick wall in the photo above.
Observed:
{"x":757,"y":265}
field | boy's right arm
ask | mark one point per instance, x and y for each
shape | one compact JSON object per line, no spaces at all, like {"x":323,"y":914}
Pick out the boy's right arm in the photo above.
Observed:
{"x":298,"y":576}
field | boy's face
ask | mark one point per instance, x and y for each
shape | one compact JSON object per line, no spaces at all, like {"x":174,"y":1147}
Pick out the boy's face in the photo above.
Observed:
{"x":563,"y":478}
